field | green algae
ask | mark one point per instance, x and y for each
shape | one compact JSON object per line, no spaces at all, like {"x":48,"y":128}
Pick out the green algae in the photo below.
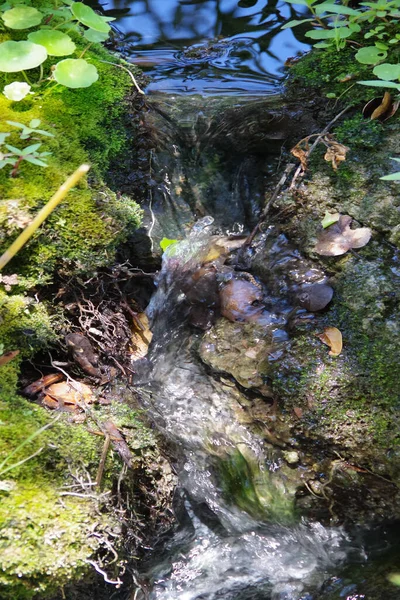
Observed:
{"x":253,"y":488}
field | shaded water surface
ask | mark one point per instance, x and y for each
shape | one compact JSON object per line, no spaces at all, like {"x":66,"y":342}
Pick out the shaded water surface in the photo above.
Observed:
{"x":209,"y":46}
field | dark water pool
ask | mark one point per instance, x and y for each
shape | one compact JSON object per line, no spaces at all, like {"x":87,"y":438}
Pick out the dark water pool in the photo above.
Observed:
{"x":209,"y":47}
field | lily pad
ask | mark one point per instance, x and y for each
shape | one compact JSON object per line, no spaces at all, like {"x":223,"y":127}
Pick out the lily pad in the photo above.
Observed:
{"x":339,"y":238}
{"x":19,"y":56}
{"x":88,"y":17}
{"x":55,"y":42}
{"x":75,"y":73}
{"x":22,"y":17}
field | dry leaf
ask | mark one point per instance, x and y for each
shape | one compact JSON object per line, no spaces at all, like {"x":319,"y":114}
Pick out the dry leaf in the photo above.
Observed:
{"x":8,"y":281}
{"x":7,"y":356}
{"x":338,"y":238}
{"x":332,"y":337}
{"x":301,"y":154}
{"x":336,"y":153}
{"x":40,"y":384}
{"x":141,"y":336}
{"x":298,"y":412}
{"x":68,"y":396}
{"x":380,"y":108}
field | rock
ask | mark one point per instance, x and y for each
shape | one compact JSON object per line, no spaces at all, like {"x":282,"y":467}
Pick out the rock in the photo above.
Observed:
{"x":240,"y":300}
{"x":315,"y":297}
{"x":240,"y":349}
{"x":291,"y":456}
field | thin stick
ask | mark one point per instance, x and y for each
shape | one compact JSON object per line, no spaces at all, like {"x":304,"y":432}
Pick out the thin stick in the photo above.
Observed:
{"x":128,"y":71}
{"x":103,"y":459}
{"x":317,"y":140}
{"x":43,"y":214}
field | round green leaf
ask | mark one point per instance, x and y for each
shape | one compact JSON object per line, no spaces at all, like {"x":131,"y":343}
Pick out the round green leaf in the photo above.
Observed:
{"x":55,"y":42}
{"x":88,"y":17}
{"x":75,"y":73}
{"x":387,"y":71}
{"x":18,"y":56}
{"x":95,"y":36}
{"x":22,"y":17}
{"x":370,"y":55}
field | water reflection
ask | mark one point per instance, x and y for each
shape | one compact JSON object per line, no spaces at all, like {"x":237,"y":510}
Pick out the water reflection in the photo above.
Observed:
{"x":209,"y":46}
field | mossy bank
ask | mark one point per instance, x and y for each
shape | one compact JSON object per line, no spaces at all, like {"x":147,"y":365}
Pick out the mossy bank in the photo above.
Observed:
{"x":52,"y":521}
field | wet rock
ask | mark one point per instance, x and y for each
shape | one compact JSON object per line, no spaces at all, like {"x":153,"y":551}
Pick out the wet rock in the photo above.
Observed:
{"x":315,"y":297}
{"x":240,"y":300}
{"x":240,"y":349}
{"x":291,"y":456}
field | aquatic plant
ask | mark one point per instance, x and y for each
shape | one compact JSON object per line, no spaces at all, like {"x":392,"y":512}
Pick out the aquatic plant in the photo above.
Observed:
{"x":369,"y":23}
{"x":49,"y":41}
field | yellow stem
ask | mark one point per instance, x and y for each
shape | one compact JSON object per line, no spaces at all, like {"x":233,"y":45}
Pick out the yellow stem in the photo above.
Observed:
{"x":43,"y":214}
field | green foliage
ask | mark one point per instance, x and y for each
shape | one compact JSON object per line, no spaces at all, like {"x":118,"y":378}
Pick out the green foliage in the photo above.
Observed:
{"x":166,"y":242}
{"x":49,"y":41}
{"x":338,"y":25}
{"x":15,"y":156}
{"x":393,"y":176}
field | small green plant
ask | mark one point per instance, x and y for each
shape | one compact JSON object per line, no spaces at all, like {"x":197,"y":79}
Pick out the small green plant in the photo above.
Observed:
{"x":15,"y":156}
{"x":338,"y":25}
{"x":393,"y":176}
{"x":53,"y":21}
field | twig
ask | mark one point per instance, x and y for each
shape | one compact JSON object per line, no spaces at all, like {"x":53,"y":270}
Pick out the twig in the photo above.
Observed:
{"x":43,"y":214}
{"x":289,"y":168}
{"x":118,"y":582}
{"x":317,"y":140}
{"x":128,"y":71}
{"x":103,"y":459}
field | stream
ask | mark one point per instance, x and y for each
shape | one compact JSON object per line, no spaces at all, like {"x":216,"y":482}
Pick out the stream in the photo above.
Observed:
{"x":216,"y":70}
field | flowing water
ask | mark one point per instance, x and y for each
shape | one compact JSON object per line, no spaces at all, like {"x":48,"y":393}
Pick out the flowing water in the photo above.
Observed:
{"x":216,"y":69}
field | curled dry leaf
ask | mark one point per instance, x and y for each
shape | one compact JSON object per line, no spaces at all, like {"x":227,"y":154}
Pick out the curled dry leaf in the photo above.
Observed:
{"x":336,"y":152}
{"x":338,"y":238}
{"x":301,"y":154}
{"x":380,"y":108}
{"x":332,"y":337}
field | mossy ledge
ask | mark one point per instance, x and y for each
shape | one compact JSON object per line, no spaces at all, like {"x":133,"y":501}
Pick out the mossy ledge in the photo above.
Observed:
{"x":48,"y":528}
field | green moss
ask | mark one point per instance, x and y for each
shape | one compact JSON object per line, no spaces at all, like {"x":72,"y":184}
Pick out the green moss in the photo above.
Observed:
{"x":88,"y":126}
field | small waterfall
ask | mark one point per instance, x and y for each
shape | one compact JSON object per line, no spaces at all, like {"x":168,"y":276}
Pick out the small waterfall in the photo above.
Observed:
{"x":242,"y":539}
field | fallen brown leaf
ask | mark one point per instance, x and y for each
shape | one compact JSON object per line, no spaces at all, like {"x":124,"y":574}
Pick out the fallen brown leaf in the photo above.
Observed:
{"x":298,"y":412}
{"x":40,"y":384}
{"x":68,"y":395}
{"x":301,"y":154}
{"x":336,"y":152}
{"x":380,"y":108}
{"x":332,"y":337}
{"x":7,"y":356}
{"x":338,"y":238}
